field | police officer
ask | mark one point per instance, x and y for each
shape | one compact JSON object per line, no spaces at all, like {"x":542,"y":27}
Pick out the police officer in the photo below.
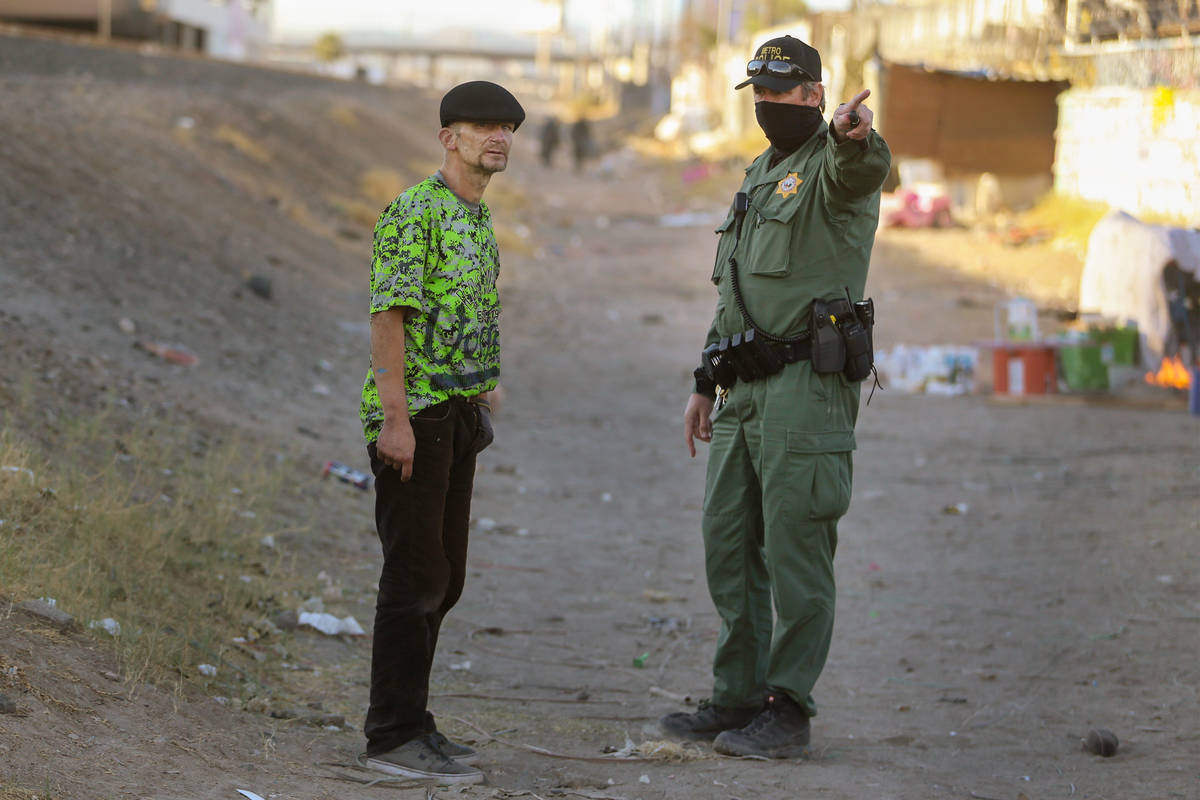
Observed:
{"x":779,"y":468}
{"x":435,"y":363}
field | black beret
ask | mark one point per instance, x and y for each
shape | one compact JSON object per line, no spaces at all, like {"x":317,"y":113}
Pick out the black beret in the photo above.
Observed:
{"x":481,"y":101}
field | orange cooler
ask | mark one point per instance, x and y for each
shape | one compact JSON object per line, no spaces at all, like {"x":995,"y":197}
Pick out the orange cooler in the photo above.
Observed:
{"x":1020,"y":368}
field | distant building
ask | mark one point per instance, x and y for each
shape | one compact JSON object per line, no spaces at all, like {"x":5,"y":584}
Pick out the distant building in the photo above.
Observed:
{"x":234,"y":29}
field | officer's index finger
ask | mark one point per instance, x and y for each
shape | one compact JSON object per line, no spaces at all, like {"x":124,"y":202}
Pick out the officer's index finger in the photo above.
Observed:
{"x":858,"y":98}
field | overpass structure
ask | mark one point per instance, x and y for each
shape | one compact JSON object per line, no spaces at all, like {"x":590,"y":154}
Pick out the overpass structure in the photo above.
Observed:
{"x":224,"y":28}
{"x":546,"y":65}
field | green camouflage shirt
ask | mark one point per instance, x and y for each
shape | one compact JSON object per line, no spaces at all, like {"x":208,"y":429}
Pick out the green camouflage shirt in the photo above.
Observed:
{"x":435,"y":254}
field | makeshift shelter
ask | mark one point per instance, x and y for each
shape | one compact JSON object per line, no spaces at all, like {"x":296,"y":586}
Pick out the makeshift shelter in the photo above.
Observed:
{"x":1147,"y":274}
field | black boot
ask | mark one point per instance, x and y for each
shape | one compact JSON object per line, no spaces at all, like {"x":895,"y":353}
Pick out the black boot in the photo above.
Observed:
{"x":706,"y":722}
{"x":782,"y":730}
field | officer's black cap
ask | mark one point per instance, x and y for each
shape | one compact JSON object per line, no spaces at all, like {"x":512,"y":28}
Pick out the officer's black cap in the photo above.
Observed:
{"x":791,"y":50}
{"x":481,"y":101}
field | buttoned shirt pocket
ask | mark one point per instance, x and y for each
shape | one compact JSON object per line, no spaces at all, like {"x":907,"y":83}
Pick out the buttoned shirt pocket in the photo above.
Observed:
{"x":768,"y":234}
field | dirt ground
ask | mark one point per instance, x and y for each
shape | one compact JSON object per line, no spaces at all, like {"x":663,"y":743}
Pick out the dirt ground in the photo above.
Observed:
{"x":973,"y":650}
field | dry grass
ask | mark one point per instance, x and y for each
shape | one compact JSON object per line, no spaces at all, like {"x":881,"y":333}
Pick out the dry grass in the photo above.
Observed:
{"x":13,"y":793}
{"x":344,"y":115}
{"x":244,"y":144}
{"x":513,"y":240}
{"x":672,"y":751}
{"x":359,"y":212}
{"x":1069,"y":219}
{"x":151,"y":524}
{"x":380,"y":186}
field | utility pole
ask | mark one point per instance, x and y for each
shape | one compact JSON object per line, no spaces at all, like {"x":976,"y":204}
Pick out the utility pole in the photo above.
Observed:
{"x":104,"y":22}
{"x":724,"y":11}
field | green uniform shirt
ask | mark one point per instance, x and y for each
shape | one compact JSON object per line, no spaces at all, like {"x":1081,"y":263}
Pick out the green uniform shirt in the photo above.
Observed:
{"x":435,"y":254}
{"x":780,"y":466}
{"x":808,"y":233}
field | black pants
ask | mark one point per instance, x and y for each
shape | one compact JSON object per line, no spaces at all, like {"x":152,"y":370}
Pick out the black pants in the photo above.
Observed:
{"x":422,"y":526}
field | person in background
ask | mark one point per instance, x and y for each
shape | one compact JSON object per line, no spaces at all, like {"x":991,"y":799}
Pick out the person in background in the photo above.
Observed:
{"x":550,"y":140}
{"x":581,"y":142}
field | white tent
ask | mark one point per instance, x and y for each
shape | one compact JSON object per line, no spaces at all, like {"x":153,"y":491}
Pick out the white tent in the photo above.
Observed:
{"x":1125,"y":275}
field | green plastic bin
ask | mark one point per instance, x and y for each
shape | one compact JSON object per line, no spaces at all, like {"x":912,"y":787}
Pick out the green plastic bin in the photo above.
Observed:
{"x":1082,"y":367}
{"x":1118,"y":346}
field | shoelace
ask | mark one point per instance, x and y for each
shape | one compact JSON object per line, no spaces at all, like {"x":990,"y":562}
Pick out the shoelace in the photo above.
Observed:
{"x":763,"y":719}
{"x":434,"y":740}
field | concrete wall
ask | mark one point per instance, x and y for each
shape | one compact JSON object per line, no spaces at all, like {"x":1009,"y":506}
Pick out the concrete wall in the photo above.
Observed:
{"x":62,"y":10}
{"x":1135,"y":149}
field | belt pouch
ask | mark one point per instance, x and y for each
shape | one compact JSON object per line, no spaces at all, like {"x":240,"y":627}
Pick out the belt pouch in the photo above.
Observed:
{"x":858,"y":351}
{"x":718,"y":356}
{"x":860,"y":354}
{"x":743,"y":359}
{"x":762,"y":352}
{"x":865,"y":311}
{"x":828,"y":347}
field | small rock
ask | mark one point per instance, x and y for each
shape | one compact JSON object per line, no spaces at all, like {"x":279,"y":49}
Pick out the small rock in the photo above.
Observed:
{"x":1101,"y":742}
{"x":260,"y":285}
{"x":324,"y":720}
{"x":48,"y":613}
{"x":286,"y":620}
{"x":7,"y":705}
{"x":255,"y":705}
{"x":126,"y":325}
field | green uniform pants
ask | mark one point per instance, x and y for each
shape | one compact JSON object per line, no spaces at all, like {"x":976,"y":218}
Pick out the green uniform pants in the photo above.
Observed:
{"x":779,"y":477}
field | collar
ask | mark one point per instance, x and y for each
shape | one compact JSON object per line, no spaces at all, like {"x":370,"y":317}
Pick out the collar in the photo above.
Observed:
{"x":478,"y":208}
{"x":760,"y":172}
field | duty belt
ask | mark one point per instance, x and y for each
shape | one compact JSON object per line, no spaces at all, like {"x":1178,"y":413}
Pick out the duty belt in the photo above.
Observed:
{"x":791,"y":352}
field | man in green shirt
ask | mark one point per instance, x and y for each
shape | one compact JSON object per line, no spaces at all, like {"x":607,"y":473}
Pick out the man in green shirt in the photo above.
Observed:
{"x":435,"y":363}
{"x":779,"y":469}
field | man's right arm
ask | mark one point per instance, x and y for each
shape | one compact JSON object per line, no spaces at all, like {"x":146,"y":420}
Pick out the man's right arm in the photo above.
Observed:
{"x":396,"y":445}
{"x":397,"y":271}
{"x":697,"y":417}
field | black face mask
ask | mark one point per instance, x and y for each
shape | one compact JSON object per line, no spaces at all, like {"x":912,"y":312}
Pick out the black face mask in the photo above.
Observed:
{"x":786,"y":125}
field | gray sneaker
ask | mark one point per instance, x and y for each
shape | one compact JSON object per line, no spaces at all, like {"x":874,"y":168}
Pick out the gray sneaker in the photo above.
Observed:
{"x":459,"y":752}
{"x":422,"y":759}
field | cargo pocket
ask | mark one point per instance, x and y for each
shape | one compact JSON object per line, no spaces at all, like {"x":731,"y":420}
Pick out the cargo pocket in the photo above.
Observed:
{"x":829,"y":453}
{"x":831,"y":486}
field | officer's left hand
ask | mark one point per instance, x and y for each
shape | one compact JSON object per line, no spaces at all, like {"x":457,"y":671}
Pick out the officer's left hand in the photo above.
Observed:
{"x":840,"y":122}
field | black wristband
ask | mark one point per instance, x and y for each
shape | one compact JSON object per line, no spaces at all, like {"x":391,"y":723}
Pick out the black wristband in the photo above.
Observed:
{"x":703,"y":384}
